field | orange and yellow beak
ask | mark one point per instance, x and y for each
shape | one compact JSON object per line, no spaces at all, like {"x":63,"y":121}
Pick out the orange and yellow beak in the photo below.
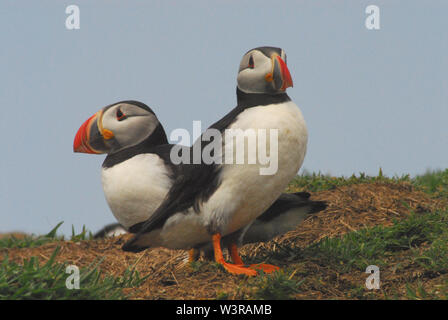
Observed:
{"x":279,"y":76}
{"x":91,"y":136}
{"x":81,"y":143}
{"x":286,"y":76}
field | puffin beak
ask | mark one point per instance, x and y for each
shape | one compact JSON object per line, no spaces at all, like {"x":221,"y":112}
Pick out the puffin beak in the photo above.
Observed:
{"x":282,"y":77}
{"x":88,"y":133}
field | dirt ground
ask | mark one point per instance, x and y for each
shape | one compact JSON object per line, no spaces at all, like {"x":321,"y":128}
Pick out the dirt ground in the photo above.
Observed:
{"x":171,"y":277}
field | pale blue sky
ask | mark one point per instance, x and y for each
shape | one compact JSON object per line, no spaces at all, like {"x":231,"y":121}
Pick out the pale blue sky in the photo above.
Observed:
{"x":370,"y":98}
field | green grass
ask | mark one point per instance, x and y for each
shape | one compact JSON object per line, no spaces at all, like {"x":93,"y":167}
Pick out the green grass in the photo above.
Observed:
{"x":432,"y":182}
{"x":372,"y":245}
{"x":418,"y":291}
{"x":83,"y":235}
{"x":313,"y":182}
{"x":435,"y":259}
{"x":30,"y":241}
{"x":277,"y":286}
{"x":31,"y":281}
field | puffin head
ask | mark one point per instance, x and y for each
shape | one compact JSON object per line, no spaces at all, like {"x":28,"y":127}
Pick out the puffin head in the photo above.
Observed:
{"x":118,"y":126}
{"x":264,"y":70}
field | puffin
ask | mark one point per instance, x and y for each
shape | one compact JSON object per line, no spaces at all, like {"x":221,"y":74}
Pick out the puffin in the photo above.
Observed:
{"x":137,"y":172}
{"x":210,"y":200}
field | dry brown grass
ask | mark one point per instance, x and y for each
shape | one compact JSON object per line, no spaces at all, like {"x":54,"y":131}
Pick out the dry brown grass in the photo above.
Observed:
{"x":357,"y":206}
{"x":170,"y":277}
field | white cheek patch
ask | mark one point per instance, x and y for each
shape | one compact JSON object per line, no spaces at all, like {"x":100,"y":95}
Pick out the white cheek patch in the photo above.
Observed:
{"x":253,"y":80}
{"x":134,"y":130}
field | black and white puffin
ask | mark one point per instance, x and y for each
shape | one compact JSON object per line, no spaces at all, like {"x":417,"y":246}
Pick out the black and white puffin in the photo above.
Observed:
{"x":137,"y":172}
{"x":208,"y":201}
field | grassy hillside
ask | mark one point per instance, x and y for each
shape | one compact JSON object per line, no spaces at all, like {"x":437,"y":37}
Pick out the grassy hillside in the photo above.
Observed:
{"x":399,"y":224}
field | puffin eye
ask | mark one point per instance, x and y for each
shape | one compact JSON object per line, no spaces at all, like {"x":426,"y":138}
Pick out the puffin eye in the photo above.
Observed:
{"x":251,"y":63}
{"x":120,"y":115}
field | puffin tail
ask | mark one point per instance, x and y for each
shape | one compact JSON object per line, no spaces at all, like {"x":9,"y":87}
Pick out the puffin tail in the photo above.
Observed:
{"x":317,"y":206}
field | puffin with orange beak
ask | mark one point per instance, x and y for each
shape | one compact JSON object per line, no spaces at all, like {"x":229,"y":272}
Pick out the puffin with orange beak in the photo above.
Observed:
{"x":208,"y":201}
{"x":137,"y":172}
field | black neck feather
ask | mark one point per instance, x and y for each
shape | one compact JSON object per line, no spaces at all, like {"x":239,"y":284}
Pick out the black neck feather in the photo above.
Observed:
{"x":158,"y":137}
{"x":247,"y":100}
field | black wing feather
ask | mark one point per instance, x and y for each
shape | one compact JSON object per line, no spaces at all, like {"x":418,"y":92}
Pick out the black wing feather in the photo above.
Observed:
{"x":193,"y":184}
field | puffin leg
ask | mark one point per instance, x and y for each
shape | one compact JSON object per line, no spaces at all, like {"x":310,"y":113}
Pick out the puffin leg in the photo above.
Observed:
{"x":233,"y":250}
{"x":193,"y":255}
{"x":231,"y":268}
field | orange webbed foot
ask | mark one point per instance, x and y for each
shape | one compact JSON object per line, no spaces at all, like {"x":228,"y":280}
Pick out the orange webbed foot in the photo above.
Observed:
{"x":231,"y":268}
{"x":238,"y":269}
{"x":266,"y":268}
